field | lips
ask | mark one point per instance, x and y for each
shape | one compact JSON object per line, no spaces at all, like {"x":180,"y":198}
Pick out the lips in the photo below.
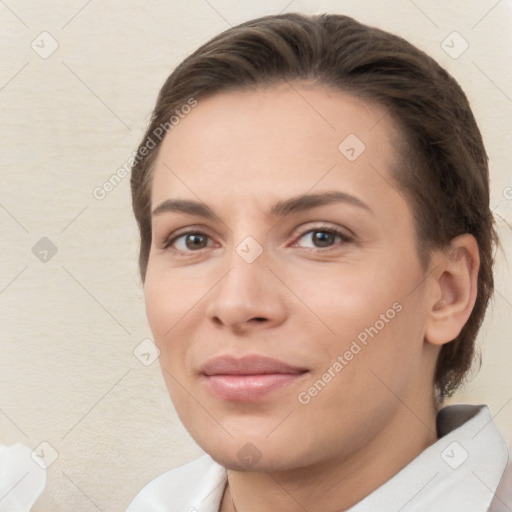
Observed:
{"x":248,"y":365}
{"x":248,"y":378}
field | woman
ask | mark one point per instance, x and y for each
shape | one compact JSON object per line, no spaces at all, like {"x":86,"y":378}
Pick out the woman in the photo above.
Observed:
{"x":316,"y":250}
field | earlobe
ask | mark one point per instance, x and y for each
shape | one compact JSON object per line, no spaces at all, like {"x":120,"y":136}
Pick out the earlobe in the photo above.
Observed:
{"x":454,"y":289}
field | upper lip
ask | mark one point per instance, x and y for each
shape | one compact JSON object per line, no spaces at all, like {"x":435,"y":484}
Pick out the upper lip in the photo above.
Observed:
{"x":247,"y":365}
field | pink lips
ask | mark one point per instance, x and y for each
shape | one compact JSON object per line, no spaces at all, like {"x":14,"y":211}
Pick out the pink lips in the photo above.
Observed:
{"x":248,"y":378}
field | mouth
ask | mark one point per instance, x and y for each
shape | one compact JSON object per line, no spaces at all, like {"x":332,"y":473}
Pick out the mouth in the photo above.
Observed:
{"x":248,"y":378}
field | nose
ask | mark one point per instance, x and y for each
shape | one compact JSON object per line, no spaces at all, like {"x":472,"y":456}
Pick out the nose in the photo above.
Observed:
{"x":247,"y":298}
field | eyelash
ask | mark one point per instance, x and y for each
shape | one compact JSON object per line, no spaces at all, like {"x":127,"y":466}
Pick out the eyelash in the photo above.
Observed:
{"x":344,"y":237}
{"x":173,"y":238}
{"x":338,"y":233}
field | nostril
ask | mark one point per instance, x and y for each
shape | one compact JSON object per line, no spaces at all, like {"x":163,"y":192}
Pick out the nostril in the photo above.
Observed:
{"x":259,"y":319}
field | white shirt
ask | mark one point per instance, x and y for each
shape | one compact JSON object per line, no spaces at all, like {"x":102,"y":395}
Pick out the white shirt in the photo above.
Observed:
{"x":458,"y":473}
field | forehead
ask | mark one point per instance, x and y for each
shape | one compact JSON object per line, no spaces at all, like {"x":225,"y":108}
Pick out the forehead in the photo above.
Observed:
{"x":291,"y":137}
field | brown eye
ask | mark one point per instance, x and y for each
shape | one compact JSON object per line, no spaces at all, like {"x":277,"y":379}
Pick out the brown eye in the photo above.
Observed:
{"x":196,"y":241}
{"x":322,"y":238}
{"x":190,"y":242}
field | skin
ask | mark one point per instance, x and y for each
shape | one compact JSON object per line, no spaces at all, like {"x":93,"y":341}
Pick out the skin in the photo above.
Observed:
{"x":239,"y":153}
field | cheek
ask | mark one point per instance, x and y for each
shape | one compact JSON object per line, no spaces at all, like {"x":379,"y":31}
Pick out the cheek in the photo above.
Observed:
{"x":347,"y":299}
{"x":157,"y":298}
{"x":165,"y":307}
{"x":366,"y":311}
{"x":168,"y":298}
{"x":174,"y":307}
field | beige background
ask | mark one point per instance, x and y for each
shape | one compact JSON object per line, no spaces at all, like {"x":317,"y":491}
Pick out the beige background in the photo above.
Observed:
{"x":68,"y":375}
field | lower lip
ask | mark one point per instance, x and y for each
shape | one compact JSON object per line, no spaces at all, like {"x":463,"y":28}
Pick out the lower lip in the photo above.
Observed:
{"x":246,"y":388}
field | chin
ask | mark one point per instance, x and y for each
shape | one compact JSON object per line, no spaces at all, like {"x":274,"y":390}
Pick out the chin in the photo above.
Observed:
{"x":255,"y":453}
{"x":259,"y":463}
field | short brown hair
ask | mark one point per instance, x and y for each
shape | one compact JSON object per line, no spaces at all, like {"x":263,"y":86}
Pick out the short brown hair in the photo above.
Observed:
{"x":443,"y":171}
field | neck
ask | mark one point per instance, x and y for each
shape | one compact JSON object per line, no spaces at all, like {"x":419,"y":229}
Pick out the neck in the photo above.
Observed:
{"x":336,"y":484}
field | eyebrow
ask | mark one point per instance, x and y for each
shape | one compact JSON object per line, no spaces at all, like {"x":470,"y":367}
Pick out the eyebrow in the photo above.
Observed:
{"x":280,"y":209}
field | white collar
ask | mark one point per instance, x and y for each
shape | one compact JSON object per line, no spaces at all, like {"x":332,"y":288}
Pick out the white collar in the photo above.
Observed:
{"x":460,"y":472}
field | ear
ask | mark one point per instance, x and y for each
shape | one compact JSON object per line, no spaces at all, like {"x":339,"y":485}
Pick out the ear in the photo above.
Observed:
{"x":453,"y":284}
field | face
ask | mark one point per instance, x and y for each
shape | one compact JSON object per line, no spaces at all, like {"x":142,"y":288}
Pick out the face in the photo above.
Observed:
{"x":284,"y":287}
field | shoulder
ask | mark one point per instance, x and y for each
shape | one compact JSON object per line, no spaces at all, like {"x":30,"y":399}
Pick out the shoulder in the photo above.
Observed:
{"x":194,"y":487}
{"x":503,"y":496}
